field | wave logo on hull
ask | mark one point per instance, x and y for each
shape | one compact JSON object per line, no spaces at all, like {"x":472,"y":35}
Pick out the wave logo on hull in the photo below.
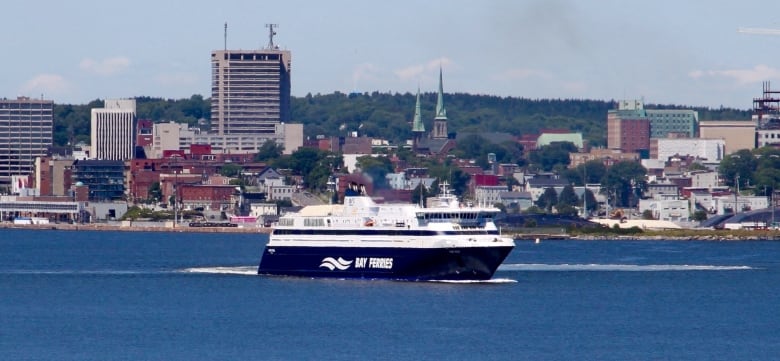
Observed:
{"x":332,"y":263}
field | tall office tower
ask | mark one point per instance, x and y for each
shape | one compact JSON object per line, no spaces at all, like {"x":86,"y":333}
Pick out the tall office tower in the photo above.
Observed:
{"x":113,"y":130}
{"x":25,"y":133}
{"x":250,"y":89}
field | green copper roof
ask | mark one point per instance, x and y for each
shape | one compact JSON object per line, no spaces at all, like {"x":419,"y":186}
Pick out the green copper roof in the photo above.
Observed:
{"x":441,"y":113}
{"x":417,"y":124}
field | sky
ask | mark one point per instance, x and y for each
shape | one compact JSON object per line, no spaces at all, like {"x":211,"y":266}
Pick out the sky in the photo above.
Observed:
{"x":663,"y":51}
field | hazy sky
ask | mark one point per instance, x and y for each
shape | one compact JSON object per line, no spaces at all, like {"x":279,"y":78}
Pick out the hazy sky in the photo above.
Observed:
{"x":665,"y":51}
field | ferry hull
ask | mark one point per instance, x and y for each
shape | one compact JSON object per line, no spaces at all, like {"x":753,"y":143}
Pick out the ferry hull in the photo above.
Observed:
{"x":413,"y":264}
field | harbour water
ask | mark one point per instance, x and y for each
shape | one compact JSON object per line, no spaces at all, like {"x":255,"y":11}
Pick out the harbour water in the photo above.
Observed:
{"x":67,"y":295}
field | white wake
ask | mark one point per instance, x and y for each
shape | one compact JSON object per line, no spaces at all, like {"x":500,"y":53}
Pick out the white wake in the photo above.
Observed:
{"x":239,"y":270}
{"x":493,"y":280}
{"x":617,"y":267}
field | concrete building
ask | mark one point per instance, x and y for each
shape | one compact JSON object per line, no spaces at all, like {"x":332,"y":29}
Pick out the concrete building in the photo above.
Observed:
{"x":670,"y":208}
{"x":767,"y":136}
{"x":113,"y":129}
{"x":664,"y":122}
{"x":25,"y":133}
{"x":489,"y":195}
{"x":549,"y":138}
{"x":631,"y":126}
{"x":53,"y":176}
{"x":105,"y":179}
{"x":176,"y":136}
{"x":250,"y":89}
{"x":736,"y":134}
{"x":704,"y":180}
{"x":710,"y":149}
{"x":607,"y":156}
{"x":628,"y":131}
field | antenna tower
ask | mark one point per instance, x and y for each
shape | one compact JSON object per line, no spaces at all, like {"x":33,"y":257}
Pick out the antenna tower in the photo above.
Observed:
{"x":271,"y":34}
{"x":225,"y":36}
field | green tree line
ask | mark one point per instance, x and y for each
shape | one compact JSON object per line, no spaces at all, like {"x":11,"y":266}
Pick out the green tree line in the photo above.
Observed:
{"x":388,"y":115}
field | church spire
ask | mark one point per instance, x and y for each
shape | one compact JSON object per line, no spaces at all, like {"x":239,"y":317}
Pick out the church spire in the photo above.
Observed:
{"x":441,"y":113}
{"x":417,"y":123}
{"x":440,"y":121}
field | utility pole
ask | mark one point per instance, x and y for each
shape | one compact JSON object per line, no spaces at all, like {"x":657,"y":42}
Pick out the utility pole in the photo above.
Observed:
{"x":736,"y":193}
{"x":585,"y":191}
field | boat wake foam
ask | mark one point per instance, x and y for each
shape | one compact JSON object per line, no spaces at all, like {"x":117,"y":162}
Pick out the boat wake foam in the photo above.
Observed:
{"x":240,"y":270}
{"x":617,"y":267}
{"x":490,"y":281}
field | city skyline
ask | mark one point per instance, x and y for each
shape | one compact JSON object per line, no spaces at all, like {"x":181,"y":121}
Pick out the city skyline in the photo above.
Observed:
{"x":664,"y":52}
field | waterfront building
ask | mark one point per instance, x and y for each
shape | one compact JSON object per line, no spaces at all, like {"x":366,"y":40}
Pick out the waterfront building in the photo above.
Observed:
{"x":105,"y":179}
{"x":250,"y":89}
{"x":667,"y":208}
{"x":113,"y":130}
{"x":25,"y":134}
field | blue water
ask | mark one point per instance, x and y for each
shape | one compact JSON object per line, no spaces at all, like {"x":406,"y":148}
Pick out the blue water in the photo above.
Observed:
{"x":169,"y":296}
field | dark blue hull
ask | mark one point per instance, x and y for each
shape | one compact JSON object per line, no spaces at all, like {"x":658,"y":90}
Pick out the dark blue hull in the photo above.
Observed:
{"x":415,"y":264}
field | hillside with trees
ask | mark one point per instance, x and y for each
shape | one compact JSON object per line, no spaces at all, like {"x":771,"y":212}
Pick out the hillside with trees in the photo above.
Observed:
{"x":388,"y":115}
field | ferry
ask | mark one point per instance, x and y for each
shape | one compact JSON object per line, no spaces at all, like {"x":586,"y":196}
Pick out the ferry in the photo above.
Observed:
{"x":362,"y":239}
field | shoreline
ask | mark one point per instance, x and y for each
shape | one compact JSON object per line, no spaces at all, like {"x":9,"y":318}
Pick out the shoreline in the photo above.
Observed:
{"x":716,"y":236}
{"x":119,"y":228}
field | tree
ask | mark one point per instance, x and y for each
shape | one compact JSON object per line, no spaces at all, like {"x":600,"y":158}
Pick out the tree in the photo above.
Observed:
{"x":738,"y":167}
{"x":548,"y":156}
{"x":567,"y":197}
{"x":699,"y":215}
{"x":420,"y":194}
{"x":567,"y":201}
{"x":376,"y":168}
{"x":155,"y":193}
{"x":548,"y":199}
{"x":456,"y":177}
{"x":625,"y":180}
{"x":533,"y":210}
{"x":269,"y":151}
{"x":314,"y":165}
{"x":589,"y":201}
{"x":230,"y":170}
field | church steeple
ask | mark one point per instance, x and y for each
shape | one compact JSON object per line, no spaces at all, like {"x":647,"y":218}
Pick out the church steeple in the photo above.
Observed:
{"x":417,"y":123}
{"x":441,"y":113}
{"x":440,"y":121}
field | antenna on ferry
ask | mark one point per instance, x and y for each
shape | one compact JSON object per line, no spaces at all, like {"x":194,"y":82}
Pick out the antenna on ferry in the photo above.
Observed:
{"x":421,"y":192}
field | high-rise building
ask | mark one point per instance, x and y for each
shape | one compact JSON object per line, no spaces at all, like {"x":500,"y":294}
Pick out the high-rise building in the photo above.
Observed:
{"x":250,"y":89}
{"x":113,"y":130}
{"x":25,"y":133}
